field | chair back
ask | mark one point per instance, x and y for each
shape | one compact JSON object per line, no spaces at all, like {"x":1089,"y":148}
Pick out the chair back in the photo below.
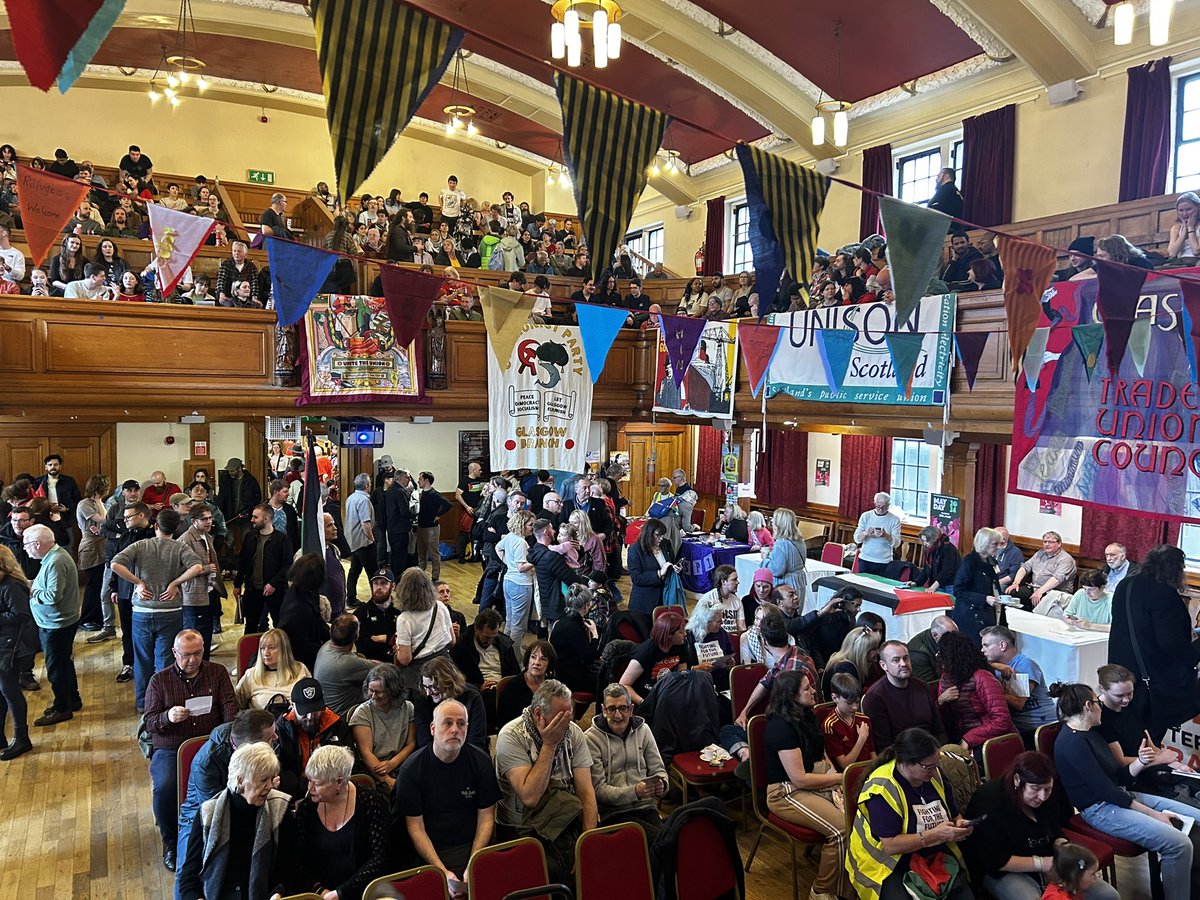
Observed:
{"x":699,"y":839}
{"x":424,"y":883}
{"x":596,"y":878}
{"x":1044,"y":738}
{"x":629,"y":632}
{"x":363,"y":781}
{"x":999,"y":752}
{"x":756,"y":731}
{"x":833,"y":554}
{"x":186,"y":753}
{"x":501,"y":685}
{"x":853,"y":779}
{"x":854,"y":566}
{"x":663,"y":610}
{"x":247,"y":649}
{"x":735,"y":639}
{"x":697,"y":519}
{"x":822,"y":710}
{"x":502,"y":869}
{"x":742,"y":680}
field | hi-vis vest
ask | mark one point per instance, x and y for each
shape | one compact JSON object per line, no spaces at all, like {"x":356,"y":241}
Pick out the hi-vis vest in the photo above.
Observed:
{"x":868,"y":865}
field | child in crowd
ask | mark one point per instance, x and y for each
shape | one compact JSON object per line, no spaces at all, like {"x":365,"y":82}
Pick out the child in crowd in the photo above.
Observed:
{"x":1073,"y":872}
{"x":39,"y":284}
{"x":847,"y":731}
{"x":603,"y":601}
{"x":199,"y":295}
{"x":760,"y":534}
{"x":568,"y":545}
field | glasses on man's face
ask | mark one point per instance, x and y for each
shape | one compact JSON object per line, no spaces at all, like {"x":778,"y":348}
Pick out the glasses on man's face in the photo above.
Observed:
{"x":621,"y":710}
{"x":429,"y":689}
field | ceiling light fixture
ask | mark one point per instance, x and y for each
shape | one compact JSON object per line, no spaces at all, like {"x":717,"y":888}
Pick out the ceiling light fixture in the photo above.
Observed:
{"x":603,"y":17}
{"x":181,"y":65}
{"x":460,"y":116}
{"x":558,"y":169}
{"x":1123,"y":14}
{"x":838,"y":109}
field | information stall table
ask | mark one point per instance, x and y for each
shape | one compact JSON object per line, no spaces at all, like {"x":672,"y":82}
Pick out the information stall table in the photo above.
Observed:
{"x":814,"y":570}
{"x":700,"y":555}
{"x":879,"y":597}
{"x":1065,"y":654}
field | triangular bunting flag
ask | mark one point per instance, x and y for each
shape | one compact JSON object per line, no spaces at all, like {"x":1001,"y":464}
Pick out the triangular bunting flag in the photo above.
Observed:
{"x":905,"y":348}
{"x":176,"y":237}
{"x":505,"y":314}
{"x":1190,"y":322}
{"x":1139,"y":344}
{"x":681,"y":335}
{"x":607,"y":175}
{"x":1120,"y":288}
{"x":46,"y":202}
{"x":759,"y":345}
{"x":369,"y":104}
{"x":970,"y":346}
{"x":836,"y":346}
{"x":1028,"y":268}
{"x":915,"y":236}
{"x":312,"y":526}
{"x":56,"y":39}
{"x":599,"y":327}
{"x":1087,"y":340}
{"x":297,"y":273}
{"x":408,"y":295}
{"x":1035,"y":356}
{"x":785,"y":203}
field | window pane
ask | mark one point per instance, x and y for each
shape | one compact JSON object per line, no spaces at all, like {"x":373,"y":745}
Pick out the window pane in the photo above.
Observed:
{"x":1190,"y":92}
{"x":1189,"y":128}
{"x":1187,"y":160}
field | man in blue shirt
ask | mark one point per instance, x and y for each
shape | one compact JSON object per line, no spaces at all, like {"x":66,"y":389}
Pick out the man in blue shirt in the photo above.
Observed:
{"x":1025,"y":690}
{"x":1009,"y":558}
{"x":1118,"y":566}
{"x":55,"y":604}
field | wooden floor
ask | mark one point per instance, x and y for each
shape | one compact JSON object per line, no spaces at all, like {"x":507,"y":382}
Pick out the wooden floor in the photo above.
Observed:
{"x":75,"y":817}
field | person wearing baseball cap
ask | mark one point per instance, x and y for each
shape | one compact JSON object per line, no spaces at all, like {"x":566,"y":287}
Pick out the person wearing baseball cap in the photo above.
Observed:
{"x":377,"y":619}
{"x":239,"y":493}
{"x":309,"y":724}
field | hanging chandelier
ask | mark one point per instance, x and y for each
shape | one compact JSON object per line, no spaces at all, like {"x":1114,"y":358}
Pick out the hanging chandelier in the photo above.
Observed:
{"x":180,"y":67}
{"x":558,"y":170}
{"x":603,"y":17}
{"x":460,"y":116}
{"x":666,"y":161}
{"x":1123,"y":15}
{"x":838,"y":110}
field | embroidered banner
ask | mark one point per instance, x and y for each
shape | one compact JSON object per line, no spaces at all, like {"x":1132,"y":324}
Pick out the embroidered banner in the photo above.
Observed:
{"x":540,"y":401}
{"x":707,"y":387}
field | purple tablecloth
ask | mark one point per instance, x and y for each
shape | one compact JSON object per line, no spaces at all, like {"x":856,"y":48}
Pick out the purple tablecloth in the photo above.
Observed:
{"x":700,"y":558}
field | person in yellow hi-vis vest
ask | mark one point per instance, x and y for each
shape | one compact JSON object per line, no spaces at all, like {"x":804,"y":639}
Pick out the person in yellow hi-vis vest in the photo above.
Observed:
{"x":907,"y":829}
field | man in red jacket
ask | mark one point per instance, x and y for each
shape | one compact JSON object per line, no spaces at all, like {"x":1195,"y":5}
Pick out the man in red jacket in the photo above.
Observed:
{"x":158,"y":492}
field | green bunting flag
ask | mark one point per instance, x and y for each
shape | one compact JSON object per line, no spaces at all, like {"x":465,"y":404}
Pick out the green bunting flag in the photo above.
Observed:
{"x":1087,"y":340}
{"x":379,"y":60}
{"x":905,"y":349}
{"x":609,"y":143}
{"x":1139,"y":344}
{"x":915,"y":236}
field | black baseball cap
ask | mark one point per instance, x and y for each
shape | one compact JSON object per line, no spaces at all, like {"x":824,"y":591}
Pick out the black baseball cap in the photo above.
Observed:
{"x":307,"y":696}
{"x":385,"y":573}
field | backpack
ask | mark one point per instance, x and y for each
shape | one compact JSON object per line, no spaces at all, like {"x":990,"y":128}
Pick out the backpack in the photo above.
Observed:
{"x":614,"y":660}
{"x":496,"y":259}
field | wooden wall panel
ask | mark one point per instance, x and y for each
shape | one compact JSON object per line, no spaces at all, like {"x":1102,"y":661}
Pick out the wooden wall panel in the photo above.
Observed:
{"x":163,"y":349}
{"x":18,"y":348}
{"x":86,"y":447}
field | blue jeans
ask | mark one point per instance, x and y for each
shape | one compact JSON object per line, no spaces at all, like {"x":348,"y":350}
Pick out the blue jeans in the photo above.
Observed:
{"x":1176,"y":850}
{"x":57,"y":644}
{"x":518,"y":598}
{"x":200,"y":618}
{"x":487,"y":595}
{"x":164,"y":766}
{"x":153,"y":636}
{"x":1020,"y":886}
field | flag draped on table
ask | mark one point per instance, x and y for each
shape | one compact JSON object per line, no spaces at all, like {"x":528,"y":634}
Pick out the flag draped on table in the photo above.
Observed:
{"x":1120,"y":289}
{"x":46,"y":202}
{"x":1028,"y":268}
{"x":759,"y":345}
{"x":176,"y":237}
{"x":599,"y":327}
{"x":785,"y":203}
{"x":408,"y":296}
{"x":56,"y":39}
{"x":505,"y":314}
{"x":915,"y":236}
{"x":368,"y":103}
{"x":609,"y":142}
{"x":297,"y":273}
{"x":680,"y":335}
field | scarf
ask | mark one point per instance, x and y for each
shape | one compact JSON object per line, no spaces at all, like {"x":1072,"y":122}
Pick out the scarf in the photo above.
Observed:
{"x":560,"y":767}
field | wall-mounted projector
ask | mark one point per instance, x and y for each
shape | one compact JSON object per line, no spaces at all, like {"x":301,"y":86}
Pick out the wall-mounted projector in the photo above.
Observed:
{"x":357,"y":431}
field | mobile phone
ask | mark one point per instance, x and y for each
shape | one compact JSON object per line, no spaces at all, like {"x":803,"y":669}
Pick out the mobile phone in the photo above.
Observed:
{"x":977,"y":821}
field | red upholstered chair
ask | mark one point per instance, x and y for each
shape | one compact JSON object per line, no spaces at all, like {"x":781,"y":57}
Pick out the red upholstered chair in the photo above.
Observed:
{"x":853,"y":778}
{"x":697,"y":520}
{"x":596,"y":878}
{"x":582,"y":700}
{"x":999,"y":752}
{"x":247,"y":649}
{"x":363,"y":781}
{"x":767,"y":821}
{"x":628,"y":631}
{"x":663,"y":610}
{"x":502,"y":869}
{"x":833,"y":554}
{"x":424,"y":883}
{"x":717,"y":876}
{"x":184,"y":756}
{"x":689,"y":769}
{"x":742,"y":680}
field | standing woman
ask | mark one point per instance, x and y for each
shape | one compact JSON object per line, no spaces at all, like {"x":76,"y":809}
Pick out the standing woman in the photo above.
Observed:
{"x":576,"y":641}
{"x":89,"y":516}
{"x":423,"y":628}
{"x":18,"y":645}
{"x":977,"y":586}
{"x":513,"y":550}
{"x":277,"y":460}
{"x":650,"y":559}
{"x":942,"y":560}
{"x":300,"y":612}
{"x":785,"y":559}
{"x":591,"y":545}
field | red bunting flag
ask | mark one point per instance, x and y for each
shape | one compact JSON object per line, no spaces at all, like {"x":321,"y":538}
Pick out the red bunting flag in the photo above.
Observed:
{"x":1028,"y":268}
{"x":46,"y":201}
{"x":759,"y":345}
{"x":56,"y":39}
{"x":408,"y":296}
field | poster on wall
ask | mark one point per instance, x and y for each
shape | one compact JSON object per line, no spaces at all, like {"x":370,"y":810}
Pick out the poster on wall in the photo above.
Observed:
{"x":540,"y":401}
{"x":1125,"y":441}
{"x":731,"y":465}
{"x":822,"y":476}
{"x":708,"y":386}
{"x":799,"y":371}
{"x":945,"y":513}
{"x":1050,"y":507}
{"x":472,"y":445}
{"x":350,"y":354}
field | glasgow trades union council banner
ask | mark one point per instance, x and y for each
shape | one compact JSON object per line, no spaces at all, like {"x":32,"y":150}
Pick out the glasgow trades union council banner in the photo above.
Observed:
{"x":540,"y":401}
{"x":1127,"y":441}
{"x":800,"y":367}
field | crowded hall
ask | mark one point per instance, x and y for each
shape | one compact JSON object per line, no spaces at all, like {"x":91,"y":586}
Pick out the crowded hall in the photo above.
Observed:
{"x":673,"y":449}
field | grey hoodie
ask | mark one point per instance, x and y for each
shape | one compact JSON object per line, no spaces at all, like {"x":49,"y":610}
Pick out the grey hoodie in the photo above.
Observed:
{"x":512,"y":252}
{"x":618,"y":764}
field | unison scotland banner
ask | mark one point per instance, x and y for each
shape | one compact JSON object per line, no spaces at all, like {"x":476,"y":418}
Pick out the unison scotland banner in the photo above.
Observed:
{"x":352,"y":353}
{"x":540,"y":403}
{"x":1120,"y":441}
{"x":799,"y":368}
{"x":708,"y":385}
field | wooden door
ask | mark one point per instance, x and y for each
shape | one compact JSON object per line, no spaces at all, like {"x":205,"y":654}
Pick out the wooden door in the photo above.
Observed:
{"x":22,"y":453}
{"x":671,"y":447}
{"x":86,"y":447}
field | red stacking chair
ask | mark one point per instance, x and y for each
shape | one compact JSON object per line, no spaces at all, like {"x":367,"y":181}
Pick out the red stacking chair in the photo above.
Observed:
{"x":247,"y":649}
{"x":742,"y":680}
{"x":833,"y":554}
{"x":502,"y":869}
{"x":853,"y":778}
{"x":999,"y":752}
{"x":596,"y":878}
{"x":717,"y":877}
{"x":663,"y":610}
{"x":424,"y":883}
{"x":184,"y":756}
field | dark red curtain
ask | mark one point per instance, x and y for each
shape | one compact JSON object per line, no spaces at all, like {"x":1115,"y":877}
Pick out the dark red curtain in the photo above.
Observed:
{"x":866,"y":469}
{"x":714,"y":236}
{"x":989,"y":147}
{"x":991,"y":487}
{"x":782,"y":475}
{"x":876,"y":176}
{"x":1146,"y":151}
{"x":708,"y":461}
{"x":1139,"y":534}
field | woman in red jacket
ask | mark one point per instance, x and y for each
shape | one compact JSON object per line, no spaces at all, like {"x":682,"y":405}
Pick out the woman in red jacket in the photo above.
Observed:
{"x":970,"y":696}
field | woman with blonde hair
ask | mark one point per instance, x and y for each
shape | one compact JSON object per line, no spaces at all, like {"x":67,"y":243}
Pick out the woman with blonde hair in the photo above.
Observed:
{"x":18,"y":644}
{"x":273,"y":675}
{"x":591,"y":545}
{"x":857,"y":657}
{"x":785,"y":559}
{"x":760,"y":536}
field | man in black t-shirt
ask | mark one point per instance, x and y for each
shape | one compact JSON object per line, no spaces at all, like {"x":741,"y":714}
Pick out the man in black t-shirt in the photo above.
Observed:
{"x":137,"y":164}
{"x":272,"y":221}
{"x":377,"y":619}
{"x":447,"y":793}
{"x":468,"y":495}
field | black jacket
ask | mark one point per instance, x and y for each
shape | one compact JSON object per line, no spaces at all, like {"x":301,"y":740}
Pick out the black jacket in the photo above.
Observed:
{"x":277,"y":558}
{"x":12,"y":541}
{"x":432,"y":506}
{"x":941,"y":565}
{"x":251,"y":496}
{"x":18,"y":632}
{"x":397,"y":515}
{"x":466,"y":657}
{"x":123,"y":588}
{"x":682,"y":711}
{"x":400,"y":247}
{"x":976,"y":580}
{"x":577,"y":652}
{"x":67,"y":490}
{"x":947,"y":199}
{"x":336,"y":732}
{"x":477,"y":724}
{"x":552,"y":573}
{"x":665,"y":850}
{"x":300,"y":618}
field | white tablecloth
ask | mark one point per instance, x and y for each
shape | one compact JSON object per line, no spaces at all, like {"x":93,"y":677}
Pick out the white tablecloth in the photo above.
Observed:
{"x":1064,"y":655}
{"x":749,"y":563}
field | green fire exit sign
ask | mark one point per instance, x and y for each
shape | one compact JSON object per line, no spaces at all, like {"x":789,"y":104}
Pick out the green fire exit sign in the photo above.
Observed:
{"x":259,"y":176}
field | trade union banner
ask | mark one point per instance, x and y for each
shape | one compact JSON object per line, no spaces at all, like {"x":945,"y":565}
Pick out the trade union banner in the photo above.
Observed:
{"x":1128,"y":441}
{"x":707,"y":388}
{"x":540,"y":401}
{"x":352,"y":354}
{"x":803,"y":365}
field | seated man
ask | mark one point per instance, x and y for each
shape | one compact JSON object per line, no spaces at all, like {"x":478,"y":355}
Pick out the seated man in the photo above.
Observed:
{"x":309,"y":724}
{"x":1050,"y":569}
{"x":486,"y":657}
{"x":186,"y":700}
{"x":898,"y":701}
{"x":546,"y":788}
{"x":339,"y":669}
{"x":627,"y":769}
{"x":377,"y":619}
{"x":922,"y":649}
{"x":1009,"y":557}
{"x":1025,"y":688}
{"x":447,"y":793}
